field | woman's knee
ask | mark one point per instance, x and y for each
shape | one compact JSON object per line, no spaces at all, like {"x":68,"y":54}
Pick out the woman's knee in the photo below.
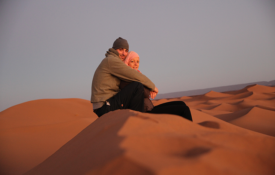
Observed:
{"x":138,"y":86}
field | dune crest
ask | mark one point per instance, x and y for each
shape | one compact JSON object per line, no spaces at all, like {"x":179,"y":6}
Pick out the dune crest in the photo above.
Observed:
{"x":216,"y":94}
{"x":260,"y":89}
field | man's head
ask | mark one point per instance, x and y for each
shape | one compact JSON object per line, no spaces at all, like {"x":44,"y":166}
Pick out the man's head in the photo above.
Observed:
{"x":121,"y":46}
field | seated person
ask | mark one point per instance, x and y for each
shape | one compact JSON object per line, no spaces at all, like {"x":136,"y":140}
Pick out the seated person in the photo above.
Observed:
{"x":106,"y":95}
{"x":174,"y":107}
{"x":132,"y":60}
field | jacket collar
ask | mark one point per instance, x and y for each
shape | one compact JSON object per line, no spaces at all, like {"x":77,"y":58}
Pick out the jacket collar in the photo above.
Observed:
{"x":112,"y":51}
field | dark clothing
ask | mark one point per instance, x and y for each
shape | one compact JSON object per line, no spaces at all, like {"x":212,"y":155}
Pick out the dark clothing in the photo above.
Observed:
{"x":173,"y":107}
{"x":107,"y":78}
{"x":148,"y":105}
{"x":130,"y":97}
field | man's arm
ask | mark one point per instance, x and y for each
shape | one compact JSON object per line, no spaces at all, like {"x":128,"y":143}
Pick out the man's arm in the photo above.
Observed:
{"x":124,"y":72}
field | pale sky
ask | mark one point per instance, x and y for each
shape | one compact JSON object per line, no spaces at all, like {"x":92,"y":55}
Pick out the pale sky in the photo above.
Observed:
{"x":51,"y":48}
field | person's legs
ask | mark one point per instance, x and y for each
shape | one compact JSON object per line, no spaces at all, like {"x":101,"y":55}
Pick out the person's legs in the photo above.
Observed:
{"x":100,"y":111}
{"x":130,"y":97}
{"x":174,"y":107}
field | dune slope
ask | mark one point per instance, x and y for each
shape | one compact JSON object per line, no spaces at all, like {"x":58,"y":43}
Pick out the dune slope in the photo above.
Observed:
{"x":32,"y":131}
{"x":128,"y":142}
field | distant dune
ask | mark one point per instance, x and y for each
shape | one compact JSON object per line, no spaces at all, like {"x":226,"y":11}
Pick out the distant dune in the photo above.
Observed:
{"x":217,"y":89}
{"x":232,"y":133}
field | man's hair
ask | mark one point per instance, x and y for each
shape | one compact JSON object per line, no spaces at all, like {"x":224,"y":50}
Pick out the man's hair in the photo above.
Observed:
{"x":121,"y":43}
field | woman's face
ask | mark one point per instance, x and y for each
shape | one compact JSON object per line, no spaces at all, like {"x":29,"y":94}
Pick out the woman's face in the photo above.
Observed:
{"x":134,"y":63}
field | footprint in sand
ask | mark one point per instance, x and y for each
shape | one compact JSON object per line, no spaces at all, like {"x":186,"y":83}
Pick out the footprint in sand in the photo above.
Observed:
{"x":197,"y":151}
{"x":210,"y":124}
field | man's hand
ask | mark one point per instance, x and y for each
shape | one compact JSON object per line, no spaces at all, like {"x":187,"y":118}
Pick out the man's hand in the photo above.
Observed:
{"x":154,"y":93}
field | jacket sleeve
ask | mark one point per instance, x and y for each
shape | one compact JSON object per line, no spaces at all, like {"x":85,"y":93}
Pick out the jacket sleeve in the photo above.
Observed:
{"x":122,"y":71}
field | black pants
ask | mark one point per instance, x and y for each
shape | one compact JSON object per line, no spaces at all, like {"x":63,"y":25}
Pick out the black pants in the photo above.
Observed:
{"x":130,"y":97}
{"x":173,"y":107}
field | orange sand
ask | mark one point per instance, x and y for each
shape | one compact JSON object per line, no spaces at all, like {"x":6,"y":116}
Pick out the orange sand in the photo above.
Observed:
{"x":232,"y":133}
{"x":32,"y":131}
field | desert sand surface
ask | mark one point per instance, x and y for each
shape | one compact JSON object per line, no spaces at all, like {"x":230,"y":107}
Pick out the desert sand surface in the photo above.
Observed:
{"x":32,"y":131}
{"x":231,"y":133}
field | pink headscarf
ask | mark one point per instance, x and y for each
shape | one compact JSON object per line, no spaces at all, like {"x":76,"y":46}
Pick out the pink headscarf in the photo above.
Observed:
{"x":130,"y":56}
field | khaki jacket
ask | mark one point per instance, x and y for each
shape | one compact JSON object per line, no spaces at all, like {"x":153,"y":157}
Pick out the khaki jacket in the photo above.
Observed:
{"x":107,"y":78}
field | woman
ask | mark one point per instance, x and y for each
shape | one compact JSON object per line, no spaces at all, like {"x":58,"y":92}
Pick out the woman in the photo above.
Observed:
{"x":174,"y":107}
{"x":132,"y":60}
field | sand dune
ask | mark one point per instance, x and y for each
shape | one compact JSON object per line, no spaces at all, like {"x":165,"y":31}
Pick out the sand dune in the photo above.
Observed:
{"x":227,"y":107}
{"x":258,"y":119}
{"x":239,"y":96}
{"x":185,"y":98}
{"x":32,"y":131}
{"x":214,"y":94}
{"x":204,"y":106}
{"x":159,"y":144}
{"x":215,"y":112}
{"x":261,"y":89}
{"x":231,"y":133}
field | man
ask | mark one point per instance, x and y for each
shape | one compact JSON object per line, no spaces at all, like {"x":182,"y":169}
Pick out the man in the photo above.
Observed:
{"x":106,"y":95}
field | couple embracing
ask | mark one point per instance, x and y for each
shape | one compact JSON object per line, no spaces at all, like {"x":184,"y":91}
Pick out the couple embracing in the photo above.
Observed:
{"x":118,"y":84}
